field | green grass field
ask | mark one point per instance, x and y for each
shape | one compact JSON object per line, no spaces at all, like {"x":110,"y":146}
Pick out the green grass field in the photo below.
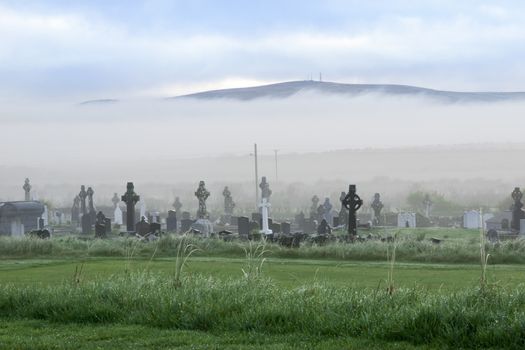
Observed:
{"x":285,"y":272}
{"x":67,"y":293}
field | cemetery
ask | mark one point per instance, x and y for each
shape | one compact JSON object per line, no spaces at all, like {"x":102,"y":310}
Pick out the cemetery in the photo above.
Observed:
{"x":333,"y":248}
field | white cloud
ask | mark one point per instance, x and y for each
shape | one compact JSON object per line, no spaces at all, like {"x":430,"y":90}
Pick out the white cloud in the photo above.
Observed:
{"x":33,"y":45}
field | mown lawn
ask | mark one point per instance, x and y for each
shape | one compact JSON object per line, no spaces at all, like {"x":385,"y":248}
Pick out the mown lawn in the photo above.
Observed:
{"x":36,"y":335}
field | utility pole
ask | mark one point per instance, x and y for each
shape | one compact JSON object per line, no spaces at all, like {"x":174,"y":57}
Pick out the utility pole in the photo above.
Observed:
{"x":276,"y":173}
{"x":256,"y":178}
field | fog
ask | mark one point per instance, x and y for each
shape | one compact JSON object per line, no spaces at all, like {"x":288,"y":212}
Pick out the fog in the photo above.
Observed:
{"x":392,"y":145}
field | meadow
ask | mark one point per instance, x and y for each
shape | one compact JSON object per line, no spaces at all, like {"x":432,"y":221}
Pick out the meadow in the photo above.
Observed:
{"x":120,"y":293}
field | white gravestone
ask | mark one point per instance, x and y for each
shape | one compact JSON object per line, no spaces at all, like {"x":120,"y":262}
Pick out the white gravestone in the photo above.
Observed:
{"x":471,"y":219}
{"x":406,"y":220}
{"x":265,"y":206}
{"x":117,"y":216}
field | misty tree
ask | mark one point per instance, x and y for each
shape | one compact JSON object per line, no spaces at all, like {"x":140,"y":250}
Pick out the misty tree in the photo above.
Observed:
{"x":441,"y":205}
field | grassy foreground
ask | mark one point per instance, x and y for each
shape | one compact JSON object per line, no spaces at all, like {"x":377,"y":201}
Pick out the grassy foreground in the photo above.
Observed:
{"x":248,"y":307}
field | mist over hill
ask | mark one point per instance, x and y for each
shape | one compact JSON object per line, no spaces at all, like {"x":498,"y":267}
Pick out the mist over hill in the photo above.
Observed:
{"x":287,"y":89}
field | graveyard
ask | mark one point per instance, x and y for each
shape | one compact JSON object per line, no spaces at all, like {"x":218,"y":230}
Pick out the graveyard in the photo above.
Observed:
{"x":277,"y":175}
{"x":131,"y":264}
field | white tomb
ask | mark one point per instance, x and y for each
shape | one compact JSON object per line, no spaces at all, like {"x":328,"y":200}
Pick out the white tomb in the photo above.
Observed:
{"x":406,"y":220}
{"x":471,"y":219}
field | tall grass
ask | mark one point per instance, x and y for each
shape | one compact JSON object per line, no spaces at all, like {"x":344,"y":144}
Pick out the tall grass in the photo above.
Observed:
{"x":408,"y":249}
{"x":468,"y":319}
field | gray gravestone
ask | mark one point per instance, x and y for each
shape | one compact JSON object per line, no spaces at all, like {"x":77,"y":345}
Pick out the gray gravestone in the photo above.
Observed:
{"x":142,"y":227}
{"x":243,"y":225}
{"x":171,"y":221}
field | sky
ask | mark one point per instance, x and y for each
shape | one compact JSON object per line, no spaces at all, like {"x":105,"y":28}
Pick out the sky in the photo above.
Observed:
{"x":72,"y":51}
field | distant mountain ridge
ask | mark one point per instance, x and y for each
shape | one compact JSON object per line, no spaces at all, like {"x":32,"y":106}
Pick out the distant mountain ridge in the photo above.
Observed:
{"x":288,"y":89}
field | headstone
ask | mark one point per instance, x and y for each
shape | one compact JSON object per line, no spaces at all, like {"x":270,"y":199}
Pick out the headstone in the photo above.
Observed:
{"x":522,"y":227}
{"x":130,"y":198}
{"x":352,"y":203}
{"x":142,"y":208}
{"x":427,"y":204}
{"x":335,"y":221}
{"x":107,"y":223}
{"x":115,"y":200}
{"x":91,"y":204}
{"x":100,"y":225}
{"x":471,"y":219}
{"x":27,"y":190}
{"x":229,"y":204}
{"x":177,"y":205}
{"x":314,"y":208}
{"x":257,"y":217}
{"x":86,"y":224}
{"x":300,"y":221}
{"x":203,"y":224}
{"x":243,"y":225}
{"x":118,"y":216}
{"x":377,"y":206}
{"x":275,"y":227}
{"x":185,"y":225}
{"x":143,"y":227}
{"x":155,"y":227}
{"x":171,"y":221}
{"x":324,"y":228}
{"x":83,"y":195}
{"x":407,"y":220}
{"x":45,"y":216}
{"x":202,"y":195}
{"x":75,"y":210}
{"x":327,"y":210}
{"x":186,"y":215}
{"x":41,"y":223}
{"x":265,"y":225}
{"x":517,"y":212}
{"x":286,"y":228}
{"x":343,"y":214}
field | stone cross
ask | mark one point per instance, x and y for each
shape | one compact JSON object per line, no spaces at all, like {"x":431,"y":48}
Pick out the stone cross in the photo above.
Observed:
{"x":27,"y":190}
{"x":327,"y":211}
{"x":177,"y":205}
{"x":115,"y":200}
{"x":343,"y":216}
{"x":428,"y":205}
{"x":313,"y":208}
{"x":92,"y":211}
{"x":229,"y":204}
{"x":83,"y":195}
{"x":517,"y":213}
{"x":75,"y":210}
{"x":130,"y":198}
{"x":377,"y":206}
{"x":265,"y":189}
{"x":352,"y":203}
{"x":202,"y":195}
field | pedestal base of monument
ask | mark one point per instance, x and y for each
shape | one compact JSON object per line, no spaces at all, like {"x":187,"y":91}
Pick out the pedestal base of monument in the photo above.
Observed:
{"x":204,"y":226}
